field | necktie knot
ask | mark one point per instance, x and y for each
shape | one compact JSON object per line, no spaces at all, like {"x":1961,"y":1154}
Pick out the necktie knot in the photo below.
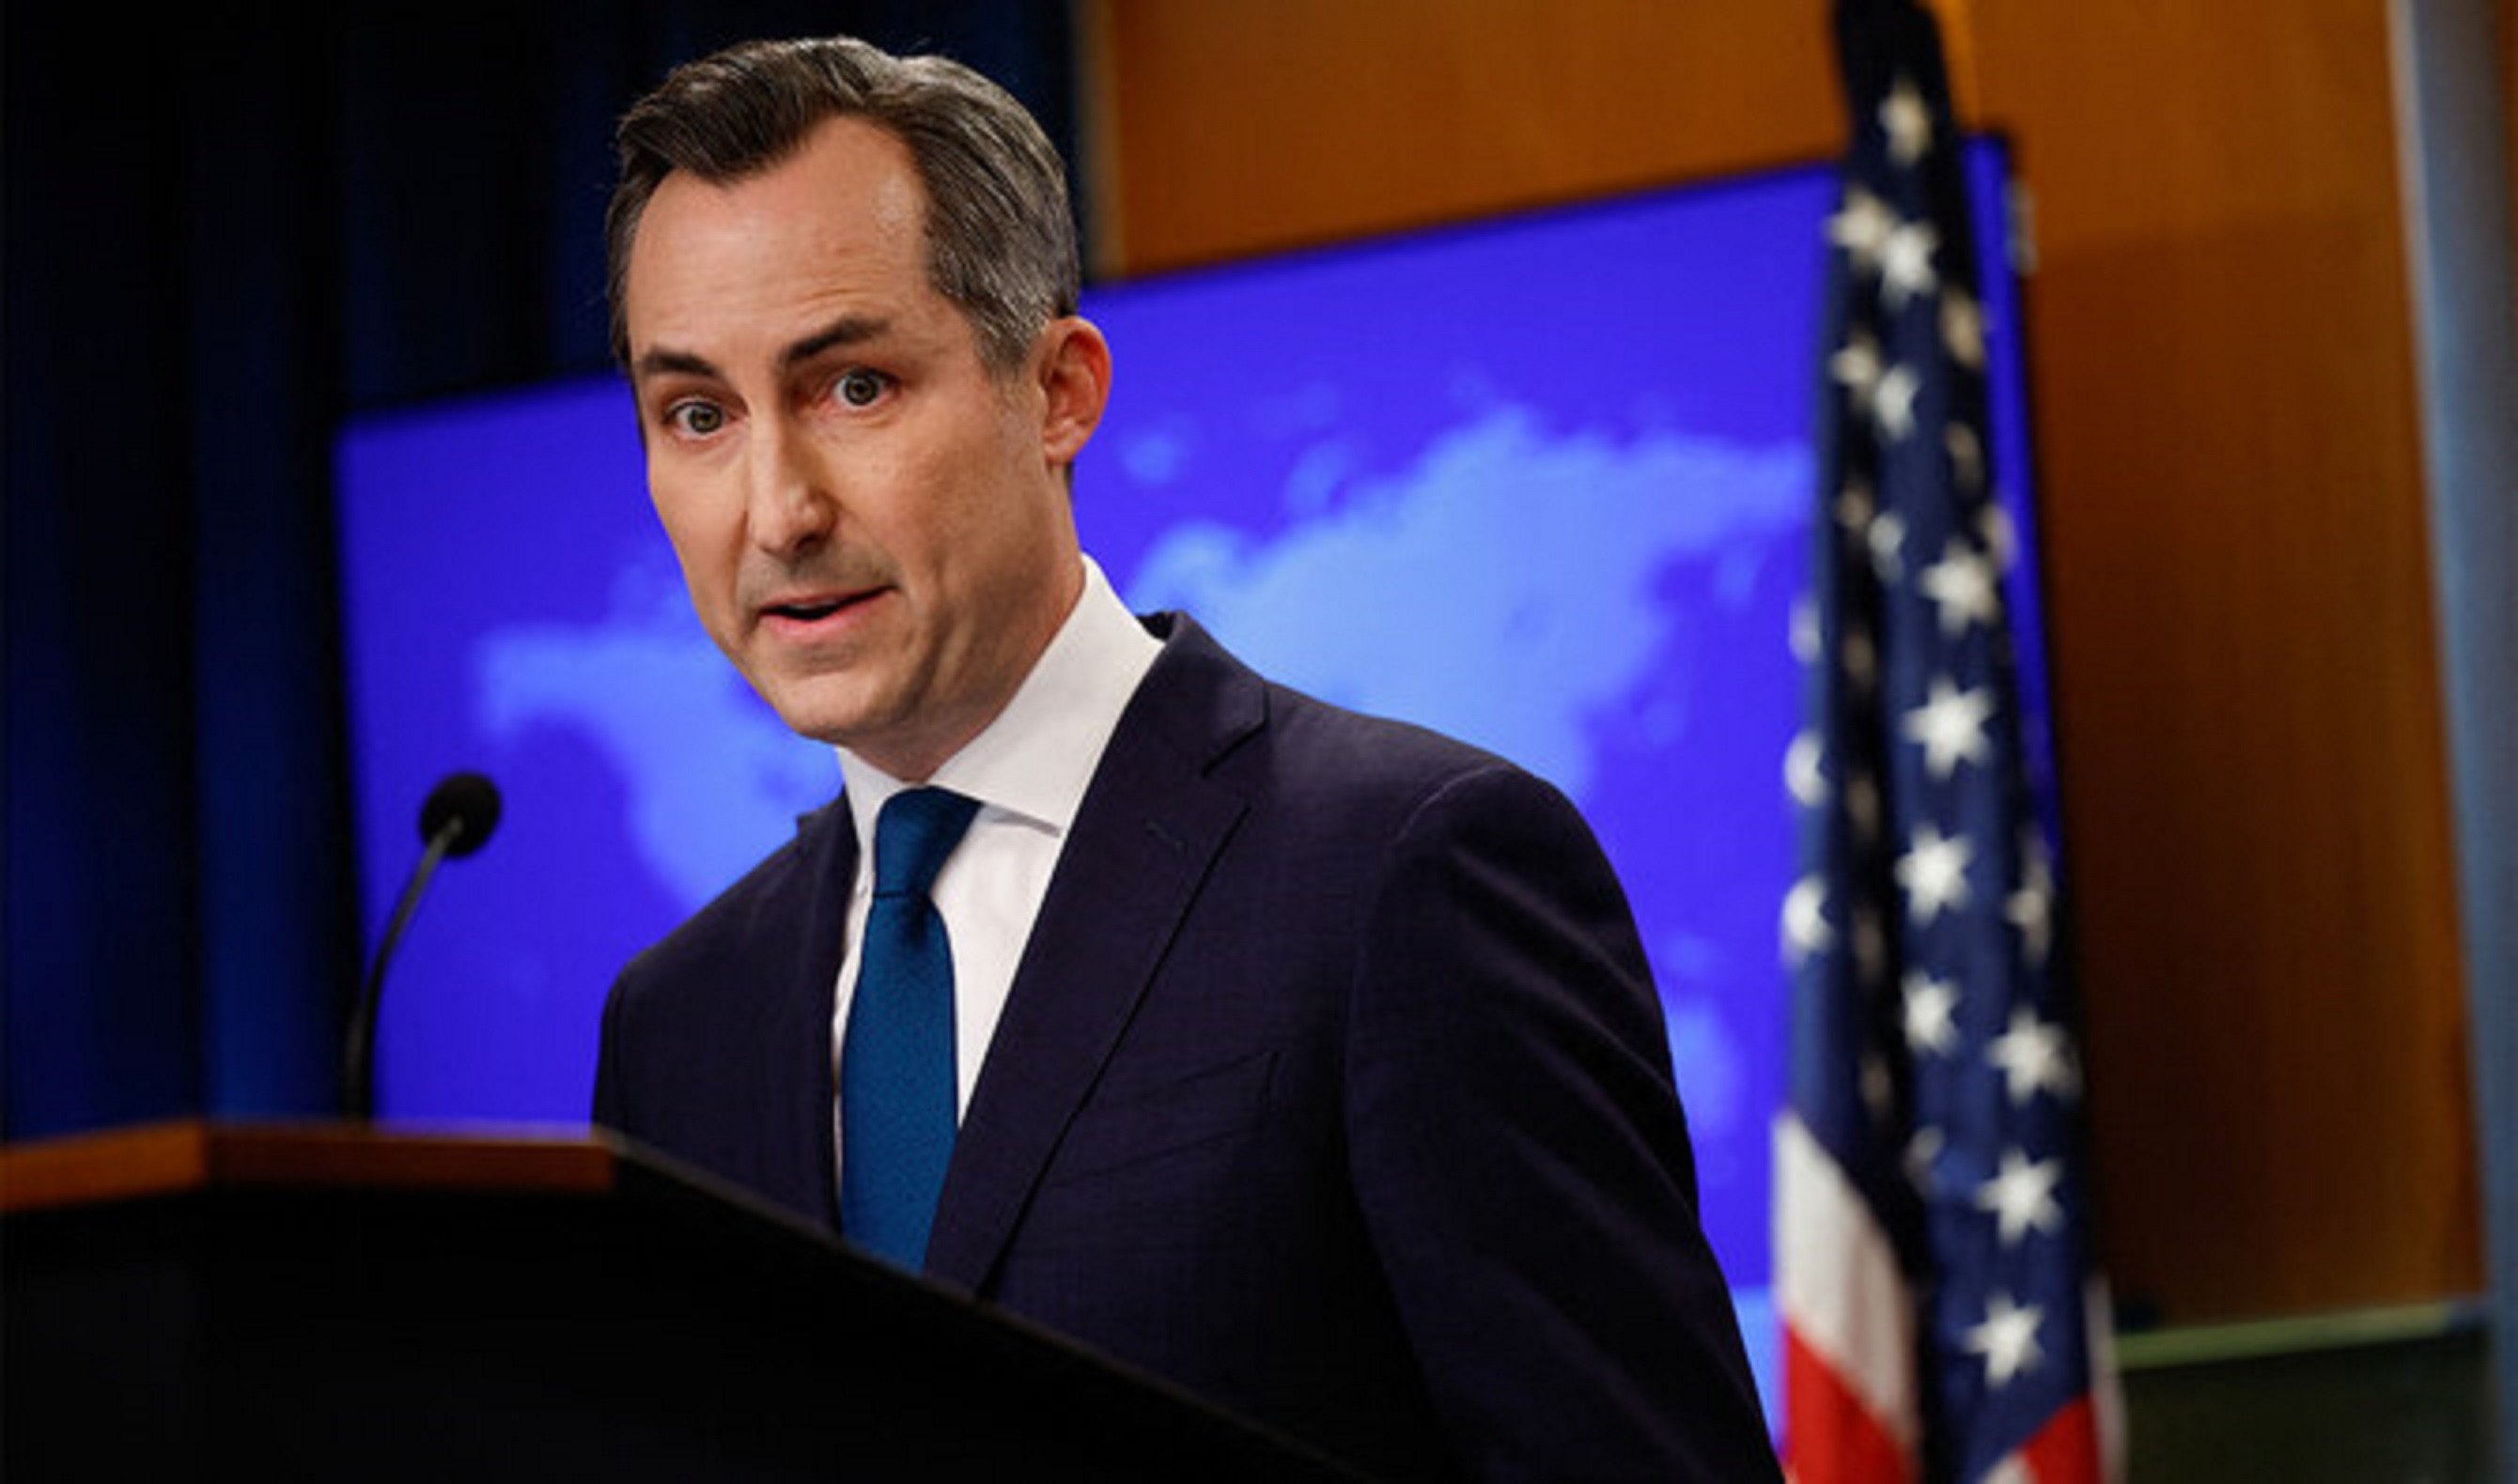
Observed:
{"x":913,"y":836}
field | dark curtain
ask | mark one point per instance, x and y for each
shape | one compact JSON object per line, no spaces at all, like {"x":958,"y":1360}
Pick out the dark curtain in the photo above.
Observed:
{"x":224,"y":235}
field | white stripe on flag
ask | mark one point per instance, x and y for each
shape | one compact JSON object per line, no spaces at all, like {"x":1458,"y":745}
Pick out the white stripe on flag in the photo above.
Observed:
{"x":1836,"y":1282}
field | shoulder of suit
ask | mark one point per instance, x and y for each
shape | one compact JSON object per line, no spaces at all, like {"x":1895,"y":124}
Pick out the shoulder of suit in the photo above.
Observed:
{"x":1208,"y":696}
{"x":768,"y":898}
{"x":1391,"y":775}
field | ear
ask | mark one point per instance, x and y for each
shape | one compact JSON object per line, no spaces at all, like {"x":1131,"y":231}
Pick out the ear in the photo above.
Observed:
{"x":1074,"y":378}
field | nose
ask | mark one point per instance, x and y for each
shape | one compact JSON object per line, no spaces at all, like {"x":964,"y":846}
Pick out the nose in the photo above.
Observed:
{"x":792,"y":505}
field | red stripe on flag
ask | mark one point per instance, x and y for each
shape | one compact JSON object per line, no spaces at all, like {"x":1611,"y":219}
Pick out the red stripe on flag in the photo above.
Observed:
{"x":2066,"y":1451}
{"x":1829,"y":1436}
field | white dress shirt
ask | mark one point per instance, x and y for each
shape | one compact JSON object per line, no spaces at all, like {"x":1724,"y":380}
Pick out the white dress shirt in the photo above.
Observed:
{"x":1028,"y":769}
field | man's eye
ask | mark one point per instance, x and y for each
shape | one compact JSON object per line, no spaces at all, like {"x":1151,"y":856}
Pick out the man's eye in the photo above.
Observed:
{"x":860,"y":388}
{"x":696,"y":419}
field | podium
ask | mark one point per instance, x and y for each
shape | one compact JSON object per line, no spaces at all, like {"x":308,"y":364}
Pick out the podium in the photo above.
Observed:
{"x":198,"y":1301}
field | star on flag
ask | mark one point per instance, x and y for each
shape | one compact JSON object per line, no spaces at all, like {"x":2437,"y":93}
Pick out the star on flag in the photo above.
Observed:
{"x":2033,"y":1056}
{"x":1963,"y":329}
{"x":1907,"y":120}
{"x":1803,"y":773}
{"x":1933,"y":871}
{"x":1930,"y":1006}
{"x":1806,"y":928}
{"x":1861,"y":226}
{"x":2022,"y":1196}
{"x":2032,"y":908}
{"x":1961,"y":585}
{"x":1966,"y":455}
{"x":1951,"y":725}
{"x":2007,"y":1340}
{"x":1906,"y":263}
{"x":1892,"y":401}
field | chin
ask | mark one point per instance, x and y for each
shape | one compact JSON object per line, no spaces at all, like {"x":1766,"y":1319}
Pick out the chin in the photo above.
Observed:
{"x":810,"y":712}
{"x":823,"y":727}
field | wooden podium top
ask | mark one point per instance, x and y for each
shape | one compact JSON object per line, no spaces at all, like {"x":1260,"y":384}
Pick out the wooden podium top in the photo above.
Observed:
{"x":168,"y":1159}
{"x":605,"y":1311}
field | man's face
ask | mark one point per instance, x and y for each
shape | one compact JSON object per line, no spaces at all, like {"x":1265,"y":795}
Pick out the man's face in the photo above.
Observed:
{"x":873,"y":526}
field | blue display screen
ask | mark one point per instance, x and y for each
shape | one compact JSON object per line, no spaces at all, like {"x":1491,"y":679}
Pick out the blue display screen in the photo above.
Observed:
{"x":1546,"y":484}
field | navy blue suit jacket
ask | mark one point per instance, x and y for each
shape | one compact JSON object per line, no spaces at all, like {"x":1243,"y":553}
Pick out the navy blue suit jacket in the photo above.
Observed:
{"x":1331,"y":1086}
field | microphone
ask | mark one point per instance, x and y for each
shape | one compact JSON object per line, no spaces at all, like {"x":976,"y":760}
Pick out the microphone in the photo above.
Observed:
{"x":454,"y":821}
{"x":465,"y":804}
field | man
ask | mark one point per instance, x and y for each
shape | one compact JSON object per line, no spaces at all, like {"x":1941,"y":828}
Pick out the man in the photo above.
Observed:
{"x":1308,"y":1060}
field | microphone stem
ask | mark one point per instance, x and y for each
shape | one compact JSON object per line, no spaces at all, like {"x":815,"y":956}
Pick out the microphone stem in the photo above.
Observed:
{"x":359,"y":1047}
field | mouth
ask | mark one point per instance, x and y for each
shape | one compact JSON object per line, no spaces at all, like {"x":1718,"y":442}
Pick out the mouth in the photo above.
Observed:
{"x":804,"y":615}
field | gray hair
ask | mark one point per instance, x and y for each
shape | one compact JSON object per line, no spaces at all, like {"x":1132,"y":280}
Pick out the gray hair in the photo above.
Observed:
{"x":1000,"y":240}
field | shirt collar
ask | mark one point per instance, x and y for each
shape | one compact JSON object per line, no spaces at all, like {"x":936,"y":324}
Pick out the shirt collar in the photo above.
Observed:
{"x":1035,"y":759}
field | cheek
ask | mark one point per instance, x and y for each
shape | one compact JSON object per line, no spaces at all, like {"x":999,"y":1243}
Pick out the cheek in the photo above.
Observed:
{"x":936,"y":513}
{"x":700,"y":547}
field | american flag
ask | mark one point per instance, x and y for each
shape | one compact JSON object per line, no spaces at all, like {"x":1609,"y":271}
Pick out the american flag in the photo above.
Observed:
{"x":1932,"y":1256}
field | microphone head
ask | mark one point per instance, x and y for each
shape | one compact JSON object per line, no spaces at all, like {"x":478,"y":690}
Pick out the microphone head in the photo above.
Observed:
{"x":466,"y":801}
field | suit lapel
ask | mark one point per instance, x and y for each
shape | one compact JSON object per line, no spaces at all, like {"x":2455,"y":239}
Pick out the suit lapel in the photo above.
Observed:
{"x":796,"y":1036}
{"x":1148,"y":829}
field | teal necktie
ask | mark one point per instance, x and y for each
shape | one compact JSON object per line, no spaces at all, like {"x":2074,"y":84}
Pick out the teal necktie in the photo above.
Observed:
{"x":896,"y":1084}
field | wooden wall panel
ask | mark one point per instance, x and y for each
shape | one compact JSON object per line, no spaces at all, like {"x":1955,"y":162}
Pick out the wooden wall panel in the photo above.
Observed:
{"x":2254,"y":781}
{"x":2252,"y":750}
{"x":1236,"y":128}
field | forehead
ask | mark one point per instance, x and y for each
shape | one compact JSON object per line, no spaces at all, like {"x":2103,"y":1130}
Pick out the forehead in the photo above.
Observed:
{"x":837,"y":224}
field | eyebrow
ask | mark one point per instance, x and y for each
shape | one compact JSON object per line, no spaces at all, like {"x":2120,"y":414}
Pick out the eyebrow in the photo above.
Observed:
{"x":682,"y":363}
{"x":846,"y":330}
